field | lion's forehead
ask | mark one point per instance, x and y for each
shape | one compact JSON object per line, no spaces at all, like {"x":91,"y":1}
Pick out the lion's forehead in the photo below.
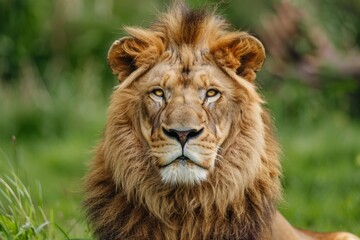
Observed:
{"x":174,"y":76}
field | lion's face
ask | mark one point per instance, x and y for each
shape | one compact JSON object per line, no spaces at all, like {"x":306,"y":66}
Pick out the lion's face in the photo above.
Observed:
{"x":185,"y":119}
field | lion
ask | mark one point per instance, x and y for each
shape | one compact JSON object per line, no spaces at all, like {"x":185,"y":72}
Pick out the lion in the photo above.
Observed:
{"x":188,"y":150}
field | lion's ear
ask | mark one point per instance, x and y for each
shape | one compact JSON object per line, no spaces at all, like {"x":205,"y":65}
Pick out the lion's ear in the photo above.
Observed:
{"x":122,"y":56}
{"x":241,"y":53}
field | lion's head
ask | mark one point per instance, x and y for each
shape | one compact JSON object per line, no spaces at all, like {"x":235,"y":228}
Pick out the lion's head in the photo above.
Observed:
{"x":193,"y":92}
{"x":186,"y":131}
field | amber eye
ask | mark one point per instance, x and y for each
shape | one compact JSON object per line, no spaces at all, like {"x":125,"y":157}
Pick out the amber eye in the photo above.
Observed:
{"x":212,"y":93}
{"x":158,"y":92}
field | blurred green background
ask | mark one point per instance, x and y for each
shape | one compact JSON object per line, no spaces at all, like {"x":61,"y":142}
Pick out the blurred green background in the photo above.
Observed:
{"x":55,"y":86}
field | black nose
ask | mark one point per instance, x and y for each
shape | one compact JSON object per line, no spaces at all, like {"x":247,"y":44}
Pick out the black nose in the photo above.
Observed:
{"x":182,"y":136}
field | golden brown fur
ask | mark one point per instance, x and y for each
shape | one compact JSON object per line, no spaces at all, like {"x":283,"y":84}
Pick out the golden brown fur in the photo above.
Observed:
{"x":229,"y":186}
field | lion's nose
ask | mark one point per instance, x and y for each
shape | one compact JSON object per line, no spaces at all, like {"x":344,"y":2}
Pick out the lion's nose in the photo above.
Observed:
{"x":182,"y":136}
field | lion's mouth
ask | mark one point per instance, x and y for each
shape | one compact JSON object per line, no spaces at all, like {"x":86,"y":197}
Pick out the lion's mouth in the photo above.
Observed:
{"x":183,"y":161}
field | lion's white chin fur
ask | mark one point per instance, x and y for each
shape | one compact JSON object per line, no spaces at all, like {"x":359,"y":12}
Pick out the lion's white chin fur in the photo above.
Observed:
{"x":183,"y":173}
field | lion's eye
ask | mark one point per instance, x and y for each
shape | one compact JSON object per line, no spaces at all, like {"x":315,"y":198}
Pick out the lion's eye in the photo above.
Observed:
{"x":212,"y":93}
{"x":158,"y":92}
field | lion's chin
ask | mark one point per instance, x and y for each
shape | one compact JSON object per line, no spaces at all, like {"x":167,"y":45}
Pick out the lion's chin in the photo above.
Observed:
{"x":181,"y":172}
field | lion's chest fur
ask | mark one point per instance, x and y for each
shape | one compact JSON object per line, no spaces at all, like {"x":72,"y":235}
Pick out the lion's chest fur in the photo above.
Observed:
{"x":117,"y":217}
{"x":193,"y":227}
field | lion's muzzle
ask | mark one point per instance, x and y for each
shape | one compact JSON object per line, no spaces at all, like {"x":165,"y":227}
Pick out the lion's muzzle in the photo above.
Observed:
{"x":182,"y":159}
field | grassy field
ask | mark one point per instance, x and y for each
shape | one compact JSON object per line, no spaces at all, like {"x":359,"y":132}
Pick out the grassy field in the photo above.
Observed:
{"x":322,"y":175}
{"x":321,"y":159}
{"x":49,"y":141}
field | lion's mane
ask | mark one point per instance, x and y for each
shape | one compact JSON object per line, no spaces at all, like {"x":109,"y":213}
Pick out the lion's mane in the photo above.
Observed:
{"x":126,"y":199}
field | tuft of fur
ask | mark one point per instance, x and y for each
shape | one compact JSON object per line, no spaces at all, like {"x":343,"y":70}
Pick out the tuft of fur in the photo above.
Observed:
{"x":126,"y":198}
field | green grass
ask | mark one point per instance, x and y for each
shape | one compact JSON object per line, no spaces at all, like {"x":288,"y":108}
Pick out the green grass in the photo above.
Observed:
{"x":52,"y":211}
{"x":321,"y":158}
{"x":20,"y":217}
{"x":22,"y":213}
{"x":53,"y":143}
{"x":322,"y":175}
